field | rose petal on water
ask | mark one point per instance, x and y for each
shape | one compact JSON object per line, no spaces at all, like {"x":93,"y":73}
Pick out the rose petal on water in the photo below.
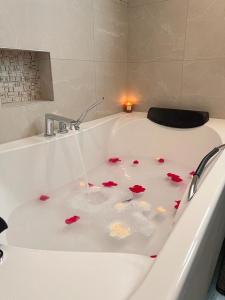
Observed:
{"x":137,"y":189}
{"x":114,"y":160}
{"x":177,"y":204}
{"x":72,"y":220}
{"x":109,"y":184}
{"x":161,"y":160}
{"x":44,"y":197}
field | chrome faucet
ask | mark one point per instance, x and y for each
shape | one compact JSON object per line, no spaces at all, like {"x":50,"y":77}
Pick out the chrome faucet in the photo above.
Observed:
{"x":64,"y":122}
{"x":49,"y":124}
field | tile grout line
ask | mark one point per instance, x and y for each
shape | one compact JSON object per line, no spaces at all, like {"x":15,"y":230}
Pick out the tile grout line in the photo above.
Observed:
{"x":94,"y":61}
{"x":184,"y":51}
{"x":164,"y":60}
{"x":145,"y":4}
{"x":127,"y":50}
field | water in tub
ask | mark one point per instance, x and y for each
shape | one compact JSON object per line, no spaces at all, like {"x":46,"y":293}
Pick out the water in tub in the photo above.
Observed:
{"x":128,"y":206}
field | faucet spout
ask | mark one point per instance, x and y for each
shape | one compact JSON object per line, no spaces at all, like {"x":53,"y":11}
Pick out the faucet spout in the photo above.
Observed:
{"x":49,"y":124}
{"x":59,"y":118}
{"x":63,"y":121}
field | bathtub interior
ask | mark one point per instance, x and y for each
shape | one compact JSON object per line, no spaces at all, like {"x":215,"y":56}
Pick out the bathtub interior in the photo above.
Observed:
{"x":106,"y":224}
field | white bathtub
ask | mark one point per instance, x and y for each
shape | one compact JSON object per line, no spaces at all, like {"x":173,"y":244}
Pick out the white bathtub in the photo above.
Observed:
{"x":186,"y":262}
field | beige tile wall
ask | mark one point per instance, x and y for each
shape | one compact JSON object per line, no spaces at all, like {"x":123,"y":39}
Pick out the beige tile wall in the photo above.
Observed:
{"x":88,"y":44}
{"x":176,"y":54}
{"x":165,"y":52}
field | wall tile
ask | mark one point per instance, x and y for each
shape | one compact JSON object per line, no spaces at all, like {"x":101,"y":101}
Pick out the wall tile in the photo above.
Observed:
{"x":62,"y":27}
{"x":204,"y":86}
{"x":74,"y":86}
{"x":14,"y":123}
{"x":110,"y":30}
{"x":155,"y":83}
{"x":134,"y":3}
{"x":111,"y":81}
{"x":205,"y":30}
{"x":157,"y":31}
{"x":202,"y":28}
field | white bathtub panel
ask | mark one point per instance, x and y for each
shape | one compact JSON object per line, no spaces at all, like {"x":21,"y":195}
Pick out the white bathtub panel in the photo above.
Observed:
{"x":202,"y":269}
{"x":46,"y":164}
{"x":30,"y":172}
{"x":184,"y":253}
{"x":44,"y":275}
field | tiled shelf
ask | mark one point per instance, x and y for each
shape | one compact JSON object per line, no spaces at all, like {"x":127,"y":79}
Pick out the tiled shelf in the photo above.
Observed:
{"x":25,"y":76}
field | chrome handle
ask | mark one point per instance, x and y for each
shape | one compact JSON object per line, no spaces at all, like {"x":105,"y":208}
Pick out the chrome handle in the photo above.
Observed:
{"x":201,"y":167}
{"x":193,"y":187}
{"x":83,"y":115}
{"x":62,"y":127}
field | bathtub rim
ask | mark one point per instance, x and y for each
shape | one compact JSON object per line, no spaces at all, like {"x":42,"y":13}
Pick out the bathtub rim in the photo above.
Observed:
{"x":175,"y":265}
{"x":216,"y":125}
{"x":41,"y":139}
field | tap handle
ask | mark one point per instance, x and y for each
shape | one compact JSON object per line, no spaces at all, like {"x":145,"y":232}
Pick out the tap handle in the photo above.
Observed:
{"x":83,"y":115}
{"x":62,"y":127}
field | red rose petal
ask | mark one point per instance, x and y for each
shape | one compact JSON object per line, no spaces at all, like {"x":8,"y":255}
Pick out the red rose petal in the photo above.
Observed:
{"x":72,"y":220}
{"x":44,"y":197}
{"x":177,"y":204}
{"x":135,"y":162}
{"x":174,"y":177}
{"x":114,"y":160}
{"x":154,"y":256}
{"x":192,"y":173}
{"x":170,"y":174}
{"x":109,"y":184}
{"x":161,"y":160}
{"x":137,"y":189}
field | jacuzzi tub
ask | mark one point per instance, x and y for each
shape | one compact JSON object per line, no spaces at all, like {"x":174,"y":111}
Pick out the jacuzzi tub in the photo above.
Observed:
{"x":44,"y":269}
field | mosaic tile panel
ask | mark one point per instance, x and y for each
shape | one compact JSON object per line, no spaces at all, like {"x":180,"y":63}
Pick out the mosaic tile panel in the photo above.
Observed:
{"x":19,"y":76}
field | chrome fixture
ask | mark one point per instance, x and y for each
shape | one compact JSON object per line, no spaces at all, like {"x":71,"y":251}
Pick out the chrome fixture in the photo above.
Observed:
{"x":84,"y":114}
{"x":3,"y":226}
{"x":194,"y":184}
{"x":49,"y":124}
{"x":64,"y":122}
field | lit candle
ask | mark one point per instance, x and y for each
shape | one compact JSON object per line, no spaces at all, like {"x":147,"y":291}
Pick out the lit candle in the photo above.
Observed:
{"x":128,"y":107}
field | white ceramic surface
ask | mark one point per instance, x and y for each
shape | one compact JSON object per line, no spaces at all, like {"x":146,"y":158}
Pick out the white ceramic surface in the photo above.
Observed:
{"x":184,"y":267}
